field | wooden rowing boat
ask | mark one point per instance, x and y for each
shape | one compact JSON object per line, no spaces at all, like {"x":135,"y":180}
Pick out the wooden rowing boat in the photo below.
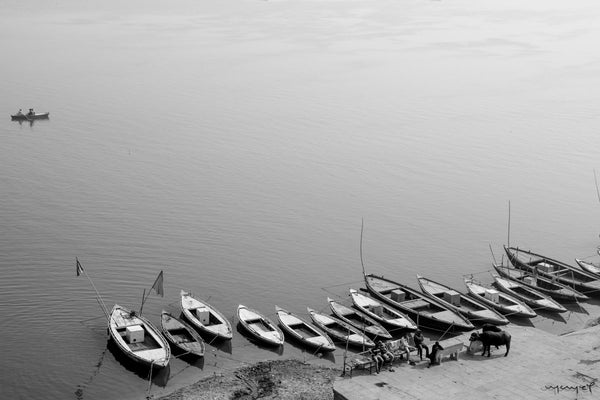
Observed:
{"x":382,"y":312}
{"x":259,"y":326}
{"x":340,"y":330}
{"x":536,"y":300}
{"x":181,"y":335}
{"x":359,"y":320}
{"x":588,"y":266}
{"x":303,"y":331}
{"x":476,"y":311}
{"x":137,"y":338}
{"x":29,"y":117}
{"x":554,"y":289}
{"x":569,"y":275}
{"x":426,"y":310}
{"x":205,"y":317}
{"x":502,"y":302}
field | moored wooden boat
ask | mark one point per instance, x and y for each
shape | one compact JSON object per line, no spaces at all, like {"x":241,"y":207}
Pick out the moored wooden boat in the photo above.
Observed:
{"x":502,"y":302}
{"x":359,"y":320}
{"x":427,"y":311}
{"x":205,"y":317}
{"x":29,"y":117}
{"x":569,"y":275}
{"x":588,"y":266}
{"x":181,"y":335}
{"x":340,"y":330}
{"x":304,"y":332}
{"x":259,"y":326}
{"x":534,"y":299}
{"x":554,"y":289}
{"x":137,"y":338}
{"x":477,"y":312}
{"x":382,"y":312}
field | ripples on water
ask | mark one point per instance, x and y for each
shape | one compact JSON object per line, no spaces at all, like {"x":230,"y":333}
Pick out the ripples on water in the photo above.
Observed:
{"x":238,"y":146}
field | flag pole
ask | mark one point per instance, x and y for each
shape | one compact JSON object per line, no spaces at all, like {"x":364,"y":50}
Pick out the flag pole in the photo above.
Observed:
{"x":157,"y":285}
{"x":101,"y":302}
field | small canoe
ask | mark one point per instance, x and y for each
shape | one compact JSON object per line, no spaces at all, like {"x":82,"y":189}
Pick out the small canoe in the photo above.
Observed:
{"x":137,"y":338}
{"x":259,"y":326}
{"x":534,"y":299}
{"x":502,"y":302}
{"x":29,"y":117}
{"x":569,"y":275}
{"x":556,"y":290}
{"x":426,"y":310}
{"x":474,"y":310}
{"x":181,"y":335}
{"x":588,"y":266}
{"x":304,"y":332}
{"x":359,"y":320}
{"x":205,"y":317}
{"x":340,"y":330}
{"x":381,"y":312}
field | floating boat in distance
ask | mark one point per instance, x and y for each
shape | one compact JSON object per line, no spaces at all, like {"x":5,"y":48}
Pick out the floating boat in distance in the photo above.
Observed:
{"x":427,"y":311}
{"x":556,"y":290}
{"x":588,"y":266}
{"x":181,"y":335}
{"x":502,"y":302}
{"x":137,"y":338}
{"x":569,"y":275}
{"x":381,"y":312}
{"x":474,"y":310}
{"x":29,"y":117}
{"x":534,"y":299}
{"x":359,"y":320}
{"x":340,"y":330}
{"x":205,"y":317}
{"x":259,"y":326}
{"x":304,"y":332}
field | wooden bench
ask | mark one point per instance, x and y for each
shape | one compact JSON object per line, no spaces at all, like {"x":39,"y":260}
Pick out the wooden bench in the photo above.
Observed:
{"x":451,"y":348}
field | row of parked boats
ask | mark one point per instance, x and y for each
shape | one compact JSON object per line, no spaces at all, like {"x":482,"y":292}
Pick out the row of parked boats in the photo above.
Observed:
{"x":532,"y":283}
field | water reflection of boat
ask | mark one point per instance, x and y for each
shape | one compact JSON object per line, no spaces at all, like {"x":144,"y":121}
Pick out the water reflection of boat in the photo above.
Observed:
{"x":137,"y":338}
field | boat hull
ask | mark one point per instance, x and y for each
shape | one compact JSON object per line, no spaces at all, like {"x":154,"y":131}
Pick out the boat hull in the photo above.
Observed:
{"x":304,"y":332}
{"x":26,"y":117}
{"x":359,"y":320}
{"x":340,"y":330}
{"x":426,"y":311}
{"x":507,"y":305}
{"x":151,"y":351}
{"x":260,"y":327}
{"x":580,"y":280}
{"x":181,"y":335}
{"x":204,"y":317}
{"x":477,"y":312}
{"x":534,"y":299}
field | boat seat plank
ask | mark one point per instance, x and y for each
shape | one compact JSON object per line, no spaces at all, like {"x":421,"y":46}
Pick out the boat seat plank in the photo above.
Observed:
{"x":414,"y":304}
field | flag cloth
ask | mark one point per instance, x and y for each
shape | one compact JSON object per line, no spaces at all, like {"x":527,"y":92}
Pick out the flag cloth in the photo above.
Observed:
{"x":78,"y":267}
{"x":158,"y":285}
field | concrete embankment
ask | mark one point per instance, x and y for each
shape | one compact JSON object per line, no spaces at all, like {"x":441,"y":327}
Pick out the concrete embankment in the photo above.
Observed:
{"x":540,"y":365}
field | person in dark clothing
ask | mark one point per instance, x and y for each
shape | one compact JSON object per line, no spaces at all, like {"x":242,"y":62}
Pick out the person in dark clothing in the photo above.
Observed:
{"x":433,"y":355}
{"x":418,"y":339}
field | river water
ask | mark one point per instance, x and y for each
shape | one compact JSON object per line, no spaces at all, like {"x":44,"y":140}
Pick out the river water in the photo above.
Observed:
{"x":238,"y":146}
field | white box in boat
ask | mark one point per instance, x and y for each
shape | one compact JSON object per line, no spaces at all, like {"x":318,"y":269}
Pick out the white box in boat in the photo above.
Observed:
{"x":545,"y":267}
{"x":452,"y":297}
{"x":530,"y":280}
{"x":377,"y":310}
{"x":134,"y":334}
{"x":398,"y":295}
{"x":203,"y":315}
{"x":492,"y":294}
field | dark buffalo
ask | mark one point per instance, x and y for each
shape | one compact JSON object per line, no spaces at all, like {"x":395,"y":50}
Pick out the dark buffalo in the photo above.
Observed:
{"x":492,"y":339}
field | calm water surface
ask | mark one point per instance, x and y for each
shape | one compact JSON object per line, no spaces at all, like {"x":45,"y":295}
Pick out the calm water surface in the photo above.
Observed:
{"x":237,"y":145}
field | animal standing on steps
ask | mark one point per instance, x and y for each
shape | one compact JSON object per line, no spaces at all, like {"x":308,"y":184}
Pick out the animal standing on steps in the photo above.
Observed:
{"x":488,"y":339}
